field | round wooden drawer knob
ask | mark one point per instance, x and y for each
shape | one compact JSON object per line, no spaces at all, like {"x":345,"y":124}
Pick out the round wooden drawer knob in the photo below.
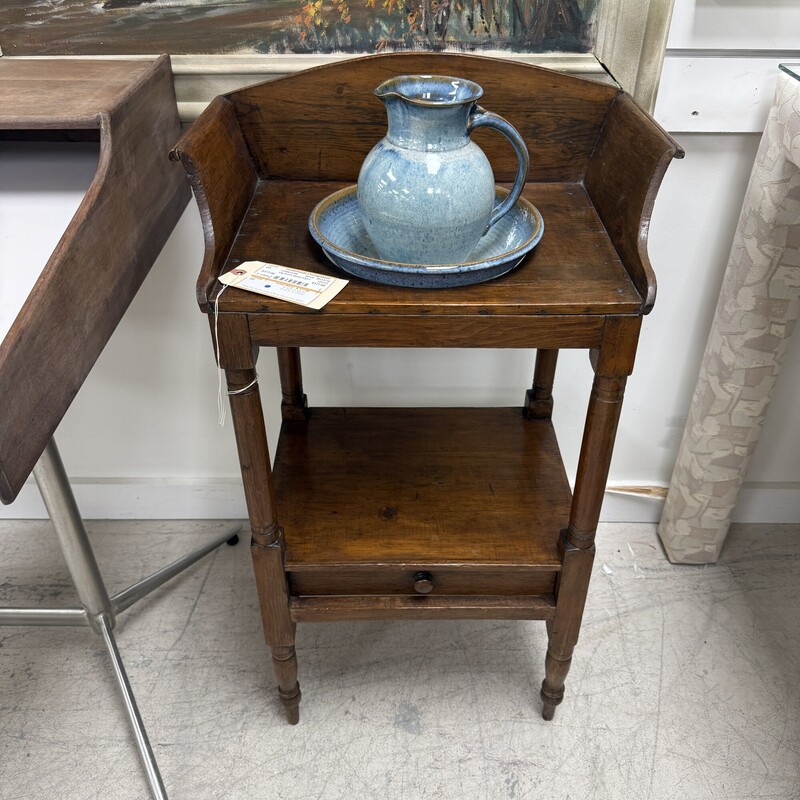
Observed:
{"x":423,"y":582}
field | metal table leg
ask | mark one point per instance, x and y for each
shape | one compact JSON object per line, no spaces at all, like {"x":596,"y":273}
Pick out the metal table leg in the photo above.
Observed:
{"x":97,"y":609}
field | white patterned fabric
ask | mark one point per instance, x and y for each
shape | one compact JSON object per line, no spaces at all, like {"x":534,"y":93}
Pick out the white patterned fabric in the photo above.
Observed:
{"x":758,"y":306}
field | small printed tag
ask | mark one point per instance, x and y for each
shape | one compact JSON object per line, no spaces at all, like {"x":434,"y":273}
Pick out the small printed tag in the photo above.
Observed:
{"x":284,"y":283}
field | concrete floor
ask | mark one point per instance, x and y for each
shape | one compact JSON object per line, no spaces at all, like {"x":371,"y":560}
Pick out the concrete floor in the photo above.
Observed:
{"x":686,"y":684}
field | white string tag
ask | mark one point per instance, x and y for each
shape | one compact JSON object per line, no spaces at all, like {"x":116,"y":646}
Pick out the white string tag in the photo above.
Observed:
{"x":221,"y":404}
{"x":284,"y":283}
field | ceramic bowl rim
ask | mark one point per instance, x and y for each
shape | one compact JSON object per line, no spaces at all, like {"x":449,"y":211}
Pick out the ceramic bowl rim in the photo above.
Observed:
{"x":399,"y":266}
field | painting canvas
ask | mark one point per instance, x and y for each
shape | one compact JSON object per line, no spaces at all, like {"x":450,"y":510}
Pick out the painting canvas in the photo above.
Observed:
{"x":113,"y":27}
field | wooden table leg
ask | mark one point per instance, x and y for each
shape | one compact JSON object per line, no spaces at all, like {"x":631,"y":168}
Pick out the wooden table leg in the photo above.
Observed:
{"x":577,"y":543}
{"x":294,"y":404}
{"x":563,"y":629}
{"x":267,"y":545}
{"x":612,"y":363}
{"x":539,"y":399}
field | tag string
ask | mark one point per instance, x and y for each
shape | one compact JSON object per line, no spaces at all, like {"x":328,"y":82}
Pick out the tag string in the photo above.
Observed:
{"x":250,"y":385}
{"x":221,"y":404}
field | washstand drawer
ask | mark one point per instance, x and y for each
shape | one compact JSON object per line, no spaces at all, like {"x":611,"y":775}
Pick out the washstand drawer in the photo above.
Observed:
{"x":422,"y":580}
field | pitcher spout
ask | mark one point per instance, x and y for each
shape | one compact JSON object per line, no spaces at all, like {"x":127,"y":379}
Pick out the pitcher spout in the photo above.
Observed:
{"x":428,"y":112}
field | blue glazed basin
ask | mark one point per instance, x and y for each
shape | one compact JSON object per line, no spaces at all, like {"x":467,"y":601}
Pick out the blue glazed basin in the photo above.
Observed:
{"x":337,"y":225}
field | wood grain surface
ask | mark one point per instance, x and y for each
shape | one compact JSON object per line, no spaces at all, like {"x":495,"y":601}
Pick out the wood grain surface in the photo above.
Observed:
{"x":456,"y":580}
{"x":129,"y":210}
{"x":574,"y":269}
{"x":420,"y":488}
{"x":622,"y":180}
{"x":316,"y":127}
{"x":223,"y":178}
{"x":65,"y":93}
{"x":327,"y":609}
{"x":559,"y":116}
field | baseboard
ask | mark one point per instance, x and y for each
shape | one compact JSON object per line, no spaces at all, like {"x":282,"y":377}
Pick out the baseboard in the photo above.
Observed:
{"x":151,"y":498}
{"x":773,"y":503}
{"x":223,"y":498}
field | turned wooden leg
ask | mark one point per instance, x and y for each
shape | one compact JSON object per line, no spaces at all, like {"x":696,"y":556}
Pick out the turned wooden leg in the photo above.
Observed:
{"x":552,"y":691}
{"x":284,"y":662}
{"x":279,"y":630}
{"x":556,"y":666}
{"x":563,"y":629}
{"x":267,"y":544}
{"x":539,"y":399}
{"x":294,"y":404}
{"x":577,"y":542}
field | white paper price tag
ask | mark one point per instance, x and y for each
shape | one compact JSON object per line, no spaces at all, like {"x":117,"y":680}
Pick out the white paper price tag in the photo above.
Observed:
{"x":284,"y":283}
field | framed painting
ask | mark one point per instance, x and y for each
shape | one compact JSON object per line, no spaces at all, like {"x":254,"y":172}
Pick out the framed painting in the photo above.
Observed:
{"x":219,"y":45}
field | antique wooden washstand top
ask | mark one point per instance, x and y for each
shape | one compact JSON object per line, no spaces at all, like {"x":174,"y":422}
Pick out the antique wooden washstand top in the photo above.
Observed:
{"x":427,"y":513}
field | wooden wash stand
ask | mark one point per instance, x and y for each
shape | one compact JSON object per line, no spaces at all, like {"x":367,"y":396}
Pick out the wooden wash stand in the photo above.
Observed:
{"x":386,"y":513}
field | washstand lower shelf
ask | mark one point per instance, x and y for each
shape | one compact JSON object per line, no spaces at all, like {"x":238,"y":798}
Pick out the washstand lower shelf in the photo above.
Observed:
{"x":471,"y":499}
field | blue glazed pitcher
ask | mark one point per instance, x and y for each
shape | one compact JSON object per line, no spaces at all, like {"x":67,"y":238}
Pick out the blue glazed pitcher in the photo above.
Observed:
{"x":426,"y":190}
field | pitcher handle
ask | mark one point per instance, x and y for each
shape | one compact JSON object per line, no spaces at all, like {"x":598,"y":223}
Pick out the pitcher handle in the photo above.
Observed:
{"x":481,"y":118}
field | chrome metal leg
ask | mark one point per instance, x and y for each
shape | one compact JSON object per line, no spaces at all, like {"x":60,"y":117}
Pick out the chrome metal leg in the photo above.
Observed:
{"x":43,"y":616}
{"x":125,"y":599}
{"x":97,"y":609}
{"x":132,"y":710}
{"x":53,"y":484}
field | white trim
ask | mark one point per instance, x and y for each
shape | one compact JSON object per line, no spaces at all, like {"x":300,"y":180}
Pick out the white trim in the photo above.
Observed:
{"x":274,"y":65}
{"x":769,"y":503}
{"x":126,"y":498}
{"x":631,"y":40}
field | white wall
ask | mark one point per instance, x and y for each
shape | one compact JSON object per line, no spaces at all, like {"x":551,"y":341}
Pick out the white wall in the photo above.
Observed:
{"x":141,"y":438}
